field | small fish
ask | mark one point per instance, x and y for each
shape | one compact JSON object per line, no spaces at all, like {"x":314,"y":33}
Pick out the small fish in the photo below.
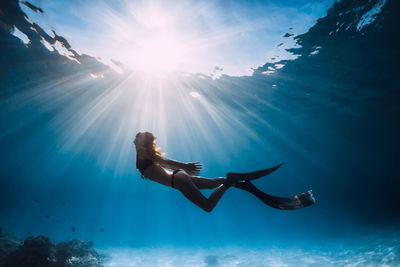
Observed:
{"x":73,"y":229}
{"x":102,"y":230}
{"x":37,"y":201}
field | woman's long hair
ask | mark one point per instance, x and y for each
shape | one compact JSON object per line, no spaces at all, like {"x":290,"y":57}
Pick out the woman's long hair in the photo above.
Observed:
{"x":149,"y":142}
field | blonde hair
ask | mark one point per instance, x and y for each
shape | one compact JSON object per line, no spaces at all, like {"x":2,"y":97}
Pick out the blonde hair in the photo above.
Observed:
{"x":149,"y":143}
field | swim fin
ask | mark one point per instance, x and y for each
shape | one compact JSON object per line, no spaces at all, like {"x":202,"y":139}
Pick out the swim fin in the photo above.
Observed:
{"x":253,"y":175}
{"x":283,"y":203}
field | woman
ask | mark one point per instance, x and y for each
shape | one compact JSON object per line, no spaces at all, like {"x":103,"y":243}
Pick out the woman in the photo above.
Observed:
{"x":151,"y":164}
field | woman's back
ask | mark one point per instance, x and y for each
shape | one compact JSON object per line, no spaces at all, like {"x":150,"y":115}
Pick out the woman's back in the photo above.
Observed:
{"x":143,"y":159}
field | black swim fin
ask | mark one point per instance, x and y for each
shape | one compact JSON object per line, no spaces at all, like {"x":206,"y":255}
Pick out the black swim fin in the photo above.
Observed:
{"x":254,"y":175}
{"x":283,"y":203}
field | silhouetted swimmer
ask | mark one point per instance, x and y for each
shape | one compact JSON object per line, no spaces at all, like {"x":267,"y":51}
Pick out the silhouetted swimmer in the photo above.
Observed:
{"x":152,"y":164}
{"x":73,"y":229}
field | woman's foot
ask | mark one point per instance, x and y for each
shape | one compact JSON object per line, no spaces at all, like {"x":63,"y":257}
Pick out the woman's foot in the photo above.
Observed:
{"x":242,"y":185}
{"x":254,"y":175}
{"x":232,"y":179}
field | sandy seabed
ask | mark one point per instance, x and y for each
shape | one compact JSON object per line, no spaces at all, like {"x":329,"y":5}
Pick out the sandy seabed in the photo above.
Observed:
{"x":384,"y":253}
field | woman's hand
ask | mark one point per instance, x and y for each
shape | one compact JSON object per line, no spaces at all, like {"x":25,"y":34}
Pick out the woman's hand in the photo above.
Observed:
{"x":193,"y":168}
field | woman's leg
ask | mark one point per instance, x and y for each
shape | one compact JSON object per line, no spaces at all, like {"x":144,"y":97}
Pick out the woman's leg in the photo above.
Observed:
{"x":184,"y":183}
{"x":207,"y":183}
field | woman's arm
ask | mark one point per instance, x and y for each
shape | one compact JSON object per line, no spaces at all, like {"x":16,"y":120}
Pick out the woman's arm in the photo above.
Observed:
{"x":171,"y":164}
{"x":191,"y":168}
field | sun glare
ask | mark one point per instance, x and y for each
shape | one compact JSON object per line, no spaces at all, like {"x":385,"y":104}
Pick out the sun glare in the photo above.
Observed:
{"x":160,"y":52}
{"x":180,"y":36}
{"x":152,"y":40}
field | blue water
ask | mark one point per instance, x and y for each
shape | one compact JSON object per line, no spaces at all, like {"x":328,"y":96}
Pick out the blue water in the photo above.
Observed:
{"x":331,"y":114}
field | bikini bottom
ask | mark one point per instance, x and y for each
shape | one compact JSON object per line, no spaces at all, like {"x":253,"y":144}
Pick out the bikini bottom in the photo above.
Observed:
{"x":173,"y":176}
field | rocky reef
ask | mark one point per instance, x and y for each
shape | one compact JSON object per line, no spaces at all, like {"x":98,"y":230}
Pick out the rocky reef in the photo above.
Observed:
{"x":40,"y":251}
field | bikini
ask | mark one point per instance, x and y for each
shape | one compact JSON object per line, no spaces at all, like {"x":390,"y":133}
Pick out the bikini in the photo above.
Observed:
{"x":143,"y":164}
{"x":173,"y":176}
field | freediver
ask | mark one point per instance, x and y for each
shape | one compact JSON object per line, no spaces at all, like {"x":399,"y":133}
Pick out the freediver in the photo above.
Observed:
{"x":152,"y":164}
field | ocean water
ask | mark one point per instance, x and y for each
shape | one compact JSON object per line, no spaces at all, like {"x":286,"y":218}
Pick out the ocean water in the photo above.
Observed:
{"x":331,"y":113}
